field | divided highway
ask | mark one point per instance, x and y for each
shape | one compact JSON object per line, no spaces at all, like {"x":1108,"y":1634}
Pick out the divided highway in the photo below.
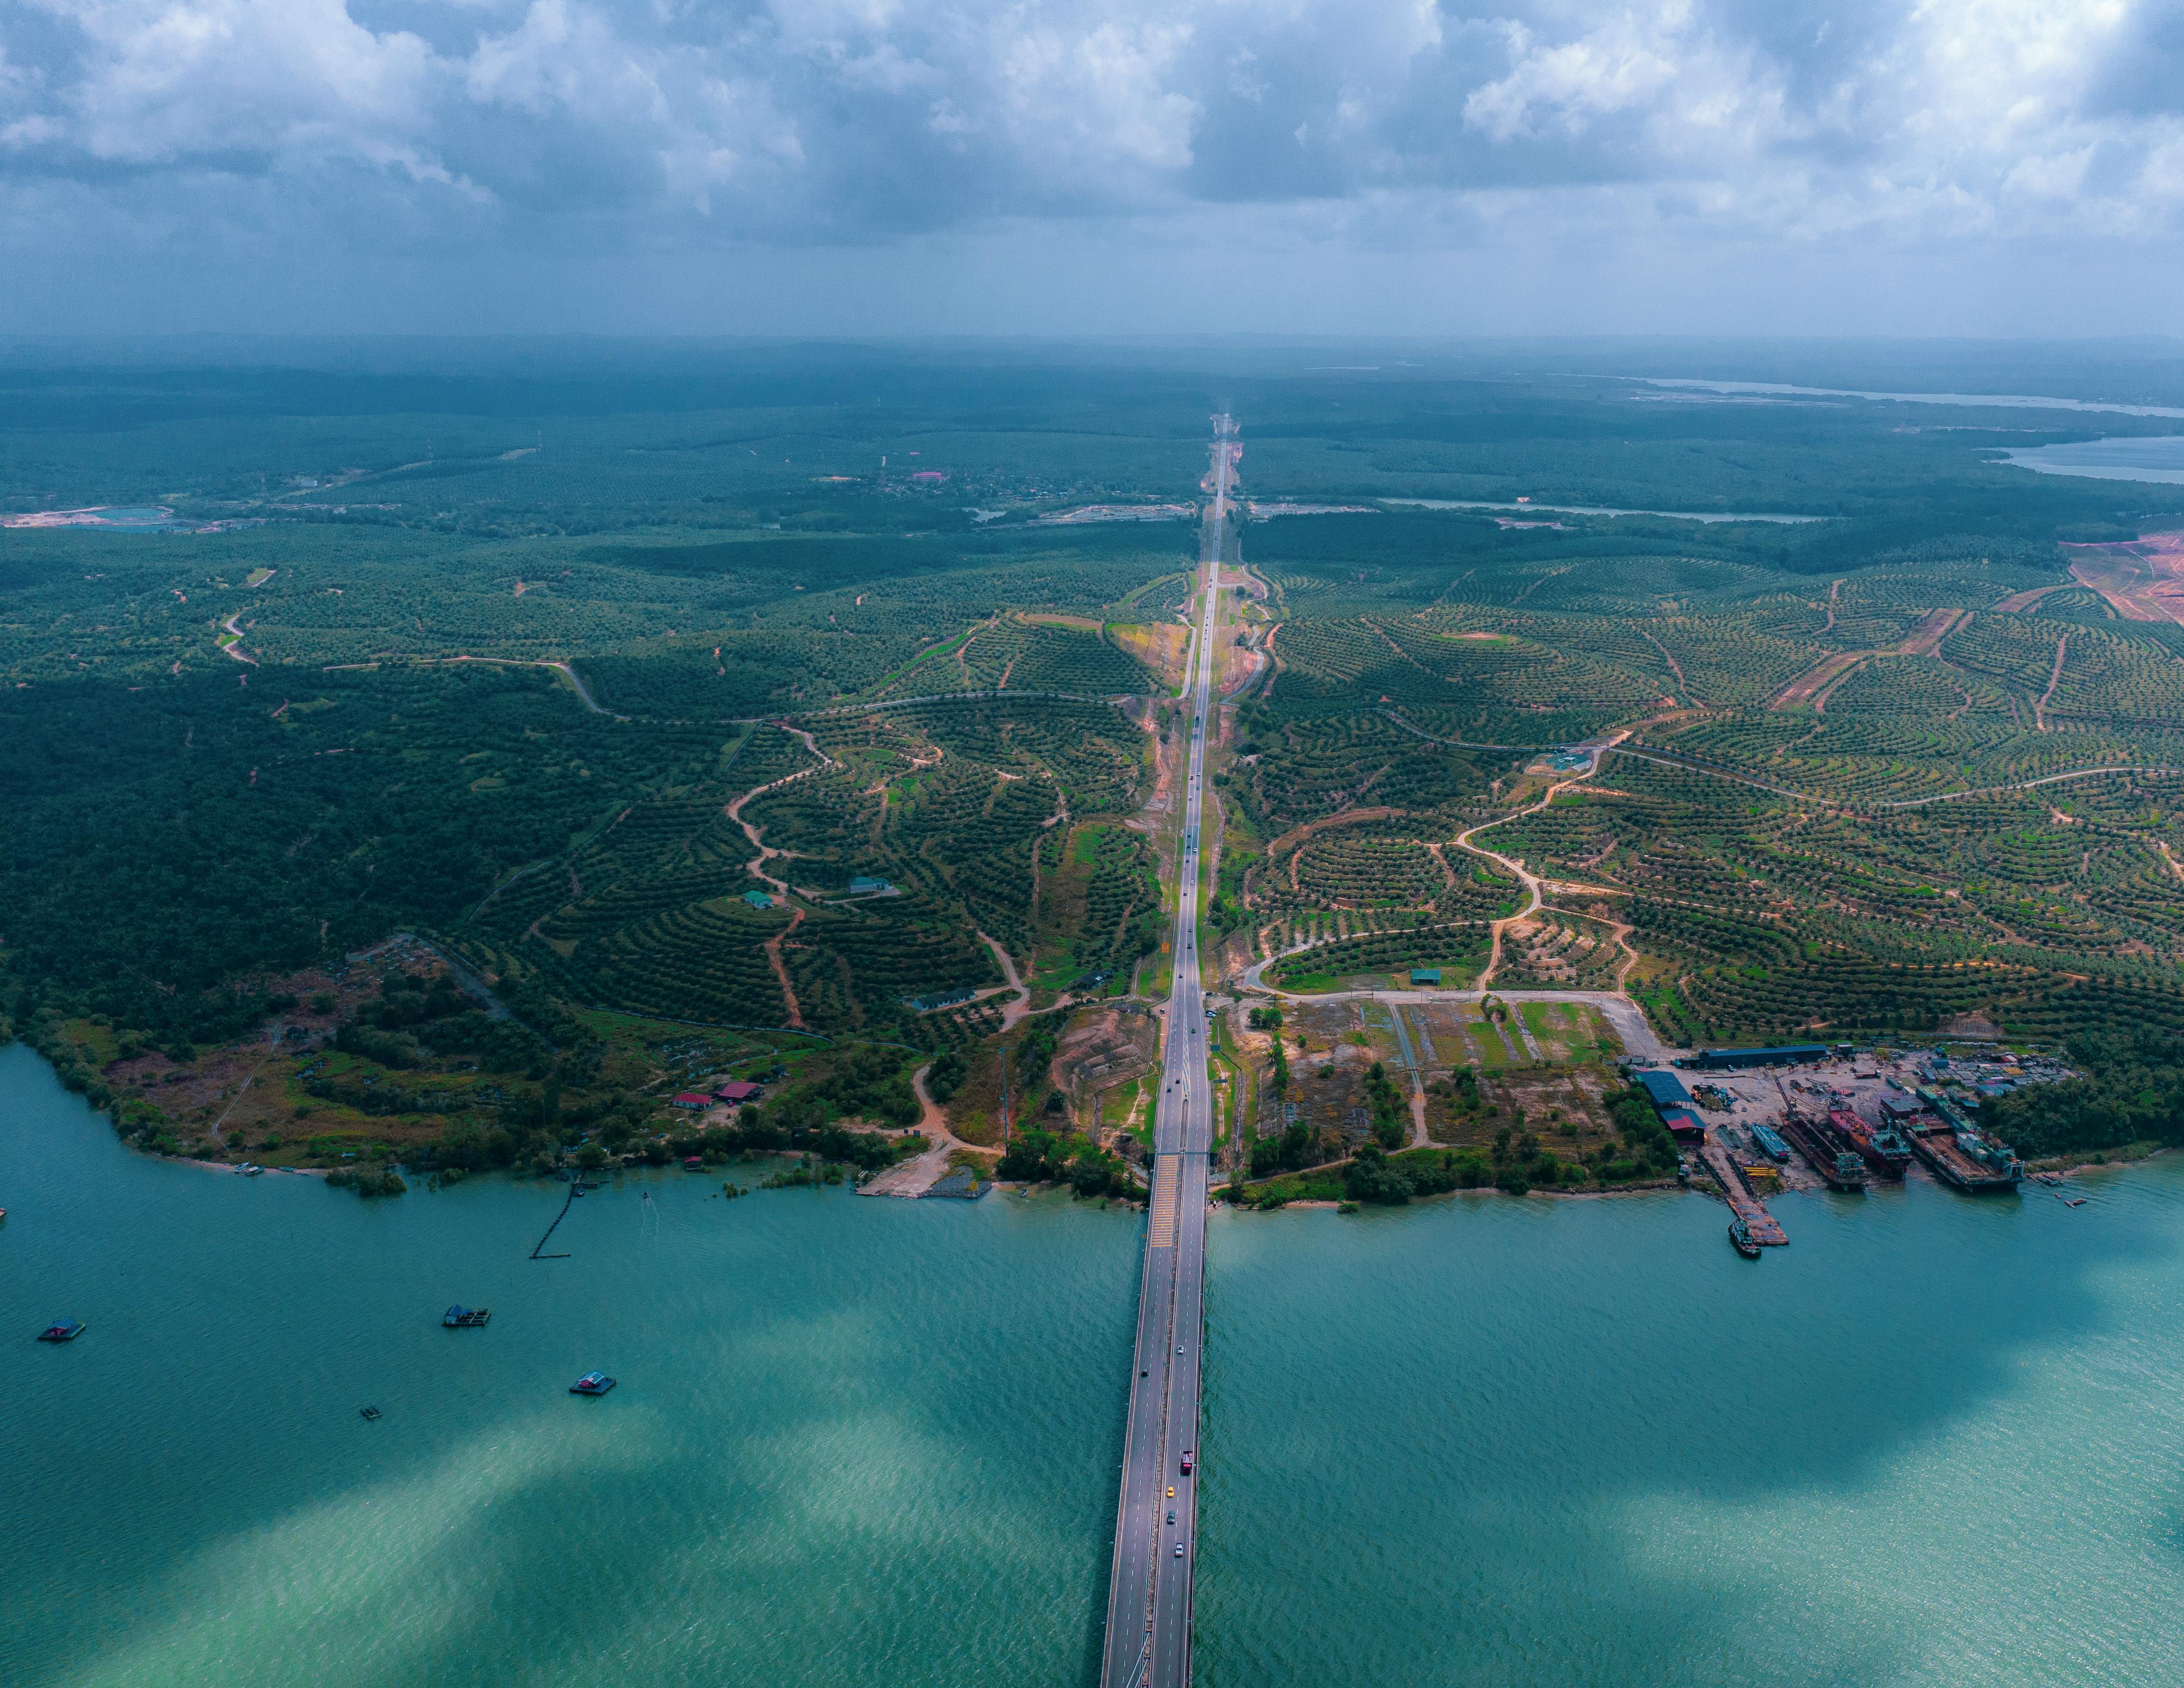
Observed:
{"x":1149,"y":1597}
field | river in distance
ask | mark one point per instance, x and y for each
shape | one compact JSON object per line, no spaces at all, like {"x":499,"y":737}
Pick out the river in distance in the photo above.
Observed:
{"x":2148,"y":457}
{"x":2155,"y":456}
{"x":1934,"y":1441}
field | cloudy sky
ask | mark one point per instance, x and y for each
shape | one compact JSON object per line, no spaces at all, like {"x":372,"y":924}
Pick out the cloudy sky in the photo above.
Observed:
{"x":1983,"y":166}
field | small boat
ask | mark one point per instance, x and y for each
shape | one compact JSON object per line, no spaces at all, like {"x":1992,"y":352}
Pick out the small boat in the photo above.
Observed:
{"x":63,"y":1330}
{"x":694,"y":1163}
{"x":2049,"y":1179}
{"x":251,"y":1171}
{"x":2074,"y":1202}
{"x":592,"y":1383}
{"x":460,"y":1317}
{"x":367,"y":1412}
{"x":1739,"y":1234}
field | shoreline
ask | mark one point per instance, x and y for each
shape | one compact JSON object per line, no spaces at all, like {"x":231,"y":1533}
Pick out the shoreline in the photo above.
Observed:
{"x":2067,"y":1166}
{"x":2098,"y":1160}
{"x":1654,"y":1187}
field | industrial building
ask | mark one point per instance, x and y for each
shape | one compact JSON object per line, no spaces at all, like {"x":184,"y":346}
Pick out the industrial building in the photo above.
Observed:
{"x":1673,"y":1103}
{"x":1775,"y":1055}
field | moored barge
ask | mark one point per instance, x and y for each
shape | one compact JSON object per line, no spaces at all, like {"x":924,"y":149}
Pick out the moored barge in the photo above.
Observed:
{"x":1959,"y":1154}
{"x":1882,"y":1147}
{"x":1840,"y":1167}
{"x":1967,"y":1160}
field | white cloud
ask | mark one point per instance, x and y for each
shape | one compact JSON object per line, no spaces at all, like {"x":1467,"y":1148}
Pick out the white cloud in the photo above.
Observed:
{"x":1627,"y":63}
{"x":157,"y":82}
{"x":842,"y":119}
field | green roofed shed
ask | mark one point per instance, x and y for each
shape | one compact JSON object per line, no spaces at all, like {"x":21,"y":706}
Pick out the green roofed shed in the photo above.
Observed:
{"x":1425,"y":975}
{"x":758,"y":899}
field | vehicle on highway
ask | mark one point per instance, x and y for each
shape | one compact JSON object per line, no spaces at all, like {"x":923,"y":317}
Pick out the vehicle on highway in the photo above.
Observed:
{"x":1171,"y":1514}
{"x":1171,"y":1491}
{"x":1186,"y":1461}
{"x":1178,"y":1550}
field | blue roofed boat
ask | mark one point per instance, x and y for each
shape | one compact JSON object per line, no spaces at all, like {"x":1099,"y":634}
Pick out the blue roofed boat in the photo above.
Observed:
{"x":460,"y":1317}
{"x":1770,"y":1142}
{"x":592,"y":1383}
{"x":63,"y":1330}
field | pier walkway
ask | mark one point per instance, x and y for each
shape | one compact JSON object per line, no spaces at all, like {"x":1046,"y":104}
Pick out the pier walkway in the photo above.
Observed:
{"x":1765,"y":1229}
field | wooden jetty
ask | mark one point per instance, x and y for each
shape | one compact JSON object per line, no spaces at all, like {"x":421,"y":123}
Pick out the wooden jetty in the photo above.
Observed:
{"x":1765,"y":1229}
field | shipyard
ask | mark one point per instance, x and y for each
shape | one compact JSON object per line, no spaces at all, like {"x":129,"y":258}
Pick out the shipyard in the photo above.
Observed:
{"x":1753,"y":1123}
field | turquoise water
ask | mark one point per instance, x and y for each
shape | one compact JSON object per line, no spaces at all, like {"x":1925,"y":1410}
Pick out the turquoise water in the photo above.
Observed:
{"x":1933,"y":1442}
{"x":855,"y":1441}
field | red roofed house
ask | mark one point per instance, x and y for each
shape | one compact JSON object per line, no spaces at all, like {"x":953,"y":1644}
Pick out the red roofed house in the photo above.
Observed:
{"x":1684,"y":1125}
{"x":737,"y":1090}
{"x":691,"y":1099}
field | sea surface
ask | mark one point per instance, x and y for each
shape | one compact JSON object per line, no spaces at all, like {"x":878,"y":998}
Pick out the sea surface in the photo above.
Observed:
{"x":1933,"y":1441}
{"x":855,"y":1442}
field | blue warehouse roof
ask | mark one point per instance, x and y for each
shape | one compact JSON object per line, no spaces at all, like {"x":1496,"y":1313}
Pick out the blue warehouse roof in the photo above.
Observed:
{"x":1774,"y":1054}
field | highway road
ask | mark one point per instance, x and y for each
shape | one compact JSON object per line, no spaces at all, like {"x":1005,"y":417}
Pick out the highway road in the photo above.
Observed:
{"x":1149,"y":1596}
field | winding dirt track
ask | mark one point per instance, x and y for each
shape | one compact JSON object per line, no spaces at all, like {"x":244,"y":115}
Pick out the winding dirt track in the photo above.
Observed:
{"x":919,"y":1174}
{"x":756,"y":867}
{"x":2054,"y":679}
{"x":235,"y":649}
{"x":1020,"y":1006}
{"x":1533,"y":884}
{"x":1675,"y":667}
{"x":1625,"y":1015}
